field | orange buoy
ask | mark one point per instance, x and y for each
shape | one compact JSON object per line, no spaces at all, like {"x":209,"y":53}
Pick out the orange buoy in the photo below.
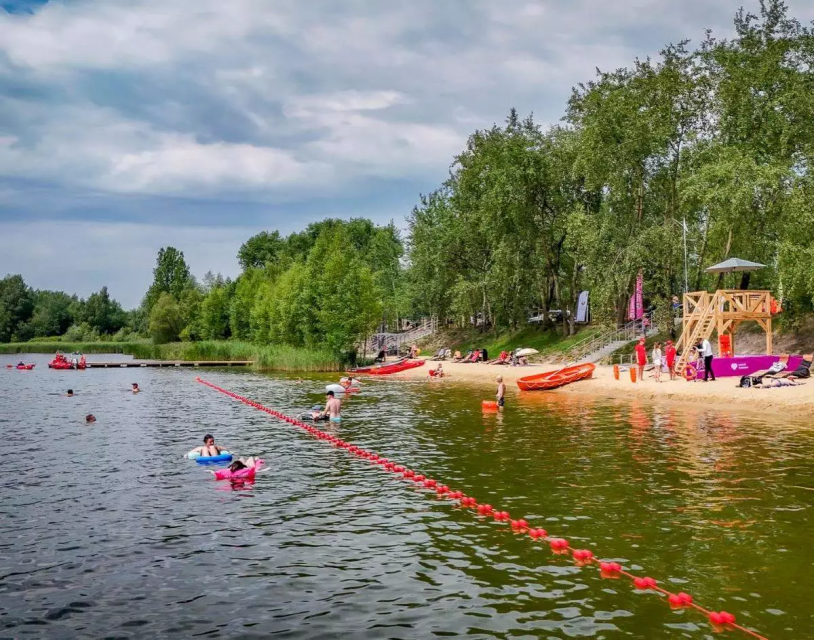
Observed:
{"x":616,"y":371}
{"x":633,"y":374}
{"x":489,"y":406}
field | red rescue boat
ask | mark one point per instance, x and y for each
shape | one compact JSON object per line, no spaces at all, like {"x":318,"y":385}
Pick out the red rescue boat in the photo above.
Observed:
{"x":61,"y":362}
{"x":556,"y":379}
{"x":25,"y":367}
{"x":384,"y":369}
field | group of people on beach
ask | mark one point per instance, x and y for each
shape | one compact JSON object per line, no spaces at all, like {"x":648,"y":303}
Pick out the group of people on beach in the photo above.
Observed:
{"x":511,"y":358}
{"x":666,"y":358}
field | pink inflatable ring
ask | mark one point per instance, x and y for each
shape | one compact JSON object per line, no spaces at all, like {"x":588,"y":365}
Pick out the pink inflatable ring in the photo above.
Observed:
{"x":241,"y":474}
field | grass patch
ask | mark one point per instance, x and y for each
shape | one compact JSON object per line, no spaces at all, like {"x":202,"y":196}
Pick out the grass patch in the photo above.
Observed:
{"x":69,"y":347}
{"x":265,"y":357}
{"x":549,"y":342}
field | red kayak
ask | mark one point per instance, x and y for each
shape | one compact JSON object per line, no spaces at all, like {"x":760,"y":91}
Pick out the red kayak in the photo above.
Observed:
{"x":384,"y":369}
{"x":556,"y":379}
{"x":25,"y":367}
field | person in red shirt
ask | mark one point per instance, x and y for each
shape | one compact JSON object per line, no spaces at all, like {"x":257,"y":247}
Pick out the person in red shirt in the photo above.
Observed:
{"x":641,"y":358}
{"x":670,"y":356}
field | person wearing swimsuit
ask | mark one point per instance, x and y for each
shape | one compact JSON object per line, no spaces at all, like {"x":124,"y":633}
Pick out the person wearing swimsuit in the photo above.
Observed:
{"x":209,"y":447}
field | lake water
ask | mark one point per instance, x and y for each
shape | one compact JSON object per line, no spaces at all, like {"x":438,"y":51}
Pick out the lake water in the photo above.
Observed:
{"x":107,"y":531}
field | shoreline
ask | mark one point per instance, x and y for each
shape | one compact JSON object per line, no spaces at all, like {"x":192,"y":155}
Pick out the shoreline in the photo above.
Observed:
{"x":723,"y":394}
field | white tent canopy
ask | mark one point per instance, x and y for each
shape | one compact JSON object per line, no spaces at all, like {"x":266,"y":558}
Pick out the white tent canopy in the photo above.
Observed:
{"x":734,"y":264}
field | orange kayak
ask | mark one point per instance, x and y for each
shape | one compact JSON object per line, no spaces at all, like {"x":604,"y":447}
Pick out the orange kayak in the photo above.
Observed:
{"x":555,"y":379}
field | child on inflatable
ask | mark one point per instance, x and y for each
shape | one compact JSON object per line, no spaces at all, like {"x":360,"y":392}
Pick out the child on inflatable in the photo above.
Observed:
{"x":243,"y":469}
{"x":209,"y":448}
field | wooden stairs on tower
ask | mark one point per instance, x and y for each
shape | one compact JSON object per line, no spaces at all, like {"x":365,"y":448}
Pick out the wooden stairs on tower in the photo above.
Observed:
{"x":721,"y":312}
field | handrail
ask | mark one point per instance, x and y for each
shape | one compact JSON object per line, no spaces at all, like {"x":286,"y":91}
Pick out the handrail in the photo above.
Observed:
{"x":626,"y":333}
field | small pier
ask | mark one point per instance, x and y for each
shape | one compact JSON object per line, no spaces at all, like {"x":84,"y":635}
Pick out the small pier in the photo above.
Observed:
{"x":169,"y":363}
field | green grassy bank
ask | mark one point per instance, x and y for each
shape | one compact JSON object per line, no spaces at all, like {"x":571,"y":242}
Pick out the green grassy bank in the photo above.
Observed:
{"x":269,"y":358}
{"x":549,"y":342}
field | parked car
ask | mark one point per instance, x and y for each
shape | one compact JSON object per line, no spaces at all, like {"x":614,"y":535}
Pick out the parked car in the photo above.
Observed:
{"x":555,"y":315}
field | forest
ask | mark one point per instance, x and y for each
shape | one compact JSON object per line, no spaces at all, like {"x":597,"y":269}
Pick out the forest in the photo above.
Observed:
{"x":718,"y":137}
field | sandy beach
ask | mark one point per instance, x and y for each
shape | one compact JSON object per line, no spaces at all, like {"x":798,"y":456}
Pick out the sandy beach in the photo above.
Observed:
{"x":722,"y":394}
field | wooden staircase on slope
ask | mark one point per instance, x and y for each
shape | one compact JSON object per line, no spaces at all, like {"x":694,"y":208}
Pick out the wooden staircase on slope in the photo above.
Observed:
{"x":699,"y":324}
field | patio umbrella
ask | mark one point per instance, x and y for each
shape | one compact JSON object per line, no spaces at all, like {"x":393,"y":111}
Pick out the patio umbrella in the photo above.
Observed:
{"x":734,"y":264}
{"x":526,"y":352}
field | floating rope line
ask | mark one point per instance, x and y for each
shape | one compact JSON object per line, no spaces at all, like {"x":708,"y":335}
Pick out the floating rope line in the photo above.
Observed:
{"x":720,"y":620}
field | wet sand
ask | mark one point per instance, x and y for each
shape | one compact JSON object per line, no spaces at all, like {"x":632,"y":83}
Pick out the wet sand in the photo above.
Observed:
{"x":722,"y":394}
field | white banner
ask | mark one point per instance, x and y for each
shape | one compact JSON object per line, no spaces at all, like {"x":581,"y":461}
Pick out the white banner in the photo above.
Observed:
{"x":582,"y":307}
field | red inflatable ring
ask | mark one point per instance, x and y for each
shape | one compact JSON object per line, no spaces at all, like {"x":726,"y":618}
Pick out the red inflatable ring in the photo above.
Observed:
{"x":690,"y":373}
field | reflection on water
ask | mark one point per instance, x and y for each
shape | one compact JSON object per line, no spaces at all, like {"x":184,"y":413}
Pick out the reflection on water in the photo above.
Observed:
{"x":107,"y":530}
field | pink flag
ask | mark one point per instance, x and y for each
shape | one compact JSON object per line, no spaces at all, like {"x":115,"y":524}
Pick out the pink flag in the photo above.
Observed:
{"x":635,"y":307}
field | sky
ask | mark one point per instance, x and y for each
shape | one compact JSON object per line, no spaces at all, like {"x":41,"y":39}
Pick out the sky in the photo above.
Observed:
{"x":128,"y":125}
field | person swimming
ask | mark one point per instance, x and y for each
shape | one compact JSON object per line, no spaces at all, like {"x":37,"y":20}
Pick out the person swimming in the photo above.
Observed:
{"x":209,"y":448}
{"x":135,"y":387}
{"x":90,"y":418}
{"x":70,"y":393}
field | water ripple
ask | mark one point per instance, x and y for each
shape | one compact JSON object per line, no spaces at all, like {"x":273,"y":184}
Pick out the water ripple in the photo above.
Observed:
{"x":107,"y":531}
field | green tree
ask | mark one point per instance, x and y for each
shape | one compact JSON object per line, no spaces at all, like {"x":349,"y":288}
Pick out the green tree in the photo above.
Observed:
{"x":214,"y":313}
{"x":52,"y":313}
{"x":102,"y":314}
{"x":16,"y":306}
{"x":171,"y":275}
{"x":166,"y":319}
{"x":260,"y":250}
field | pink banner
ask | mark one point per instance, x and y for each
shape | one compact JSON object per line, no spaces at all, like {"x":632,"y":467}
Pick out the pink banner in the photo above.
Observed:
{"x":635,"y":307}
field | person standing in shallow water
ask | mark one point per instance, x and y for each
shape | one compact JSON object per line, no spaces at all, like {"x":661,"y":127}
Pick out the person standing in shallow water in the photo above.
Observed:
{"x":501,"y":393}
{"x":333,"y":407}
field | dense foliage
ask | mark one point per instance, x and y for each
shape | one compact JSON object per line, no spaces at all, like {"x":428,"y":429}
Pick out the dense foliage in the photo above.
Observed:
{"x":720,"y":136}
{"x":327,"y":286}
{"x":27,"y":314}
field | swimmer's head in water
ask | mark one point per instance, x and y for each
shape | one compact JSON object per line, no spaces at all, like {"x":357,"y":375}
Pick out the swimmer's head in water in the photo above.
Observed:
{"x":209,"y":439}
{"x":237,"y":465}
{"x":70,"y":392}
{"x":135,"y":385}
{"x":90,"y":418}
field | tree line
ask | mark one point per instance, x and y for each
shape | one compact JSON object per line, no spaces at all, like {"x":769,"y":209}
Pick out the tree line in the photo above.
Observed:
{"x":26,"y":314}
{"x":719,"y":137}
{"x":326,"y":286}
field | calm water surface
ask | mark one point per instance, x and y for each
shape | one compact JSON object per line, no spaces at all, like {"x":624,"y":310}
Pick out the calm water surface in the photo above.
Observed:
{"x":107,"y":532}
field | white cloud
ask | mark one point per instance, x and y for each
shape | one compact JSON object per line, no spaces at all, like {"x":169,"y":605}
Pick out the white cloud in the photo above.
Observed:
{"x":105,"y":101}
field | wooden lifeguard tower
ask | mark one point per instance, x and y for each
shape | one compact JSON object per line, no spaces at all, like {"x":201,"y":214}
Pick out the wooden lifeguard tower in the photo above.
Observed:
{"x":722,"y":312}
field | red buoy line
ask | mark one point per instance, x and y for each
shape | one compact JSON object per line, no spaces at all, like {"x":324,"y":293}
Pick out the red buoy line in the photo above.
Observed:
{"x":719,"y":619}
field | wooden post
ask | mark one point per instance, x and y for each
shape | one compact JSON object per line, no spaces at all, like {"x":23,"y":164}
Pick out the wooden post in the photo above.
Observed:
{"x":769,"y":334}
